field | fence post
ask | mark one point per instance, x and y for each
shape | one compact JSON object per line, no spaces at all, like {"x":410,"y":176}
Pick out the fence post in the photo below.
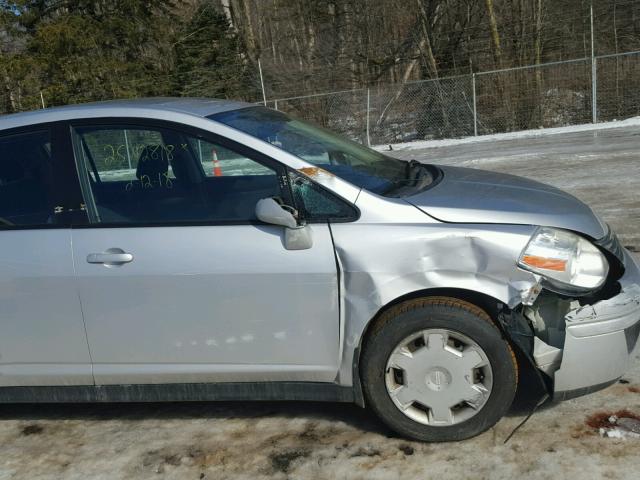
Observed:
{"x":475,"y":111}
{"x":594,"y":90}
{"x":42,"y":99}
{"x":594,"y":75}
{"x":368,"y":111}
{"x":275,"y":104}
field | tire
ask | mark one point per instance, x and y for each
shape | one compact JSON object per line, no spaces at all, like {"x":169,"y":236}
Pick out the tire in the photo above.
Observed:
{"x":440,"y":325}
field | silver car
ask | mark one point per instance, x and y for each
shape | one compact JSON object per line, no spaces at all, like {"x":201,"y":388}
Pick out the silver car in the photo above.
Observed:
{"x":184,"y":249}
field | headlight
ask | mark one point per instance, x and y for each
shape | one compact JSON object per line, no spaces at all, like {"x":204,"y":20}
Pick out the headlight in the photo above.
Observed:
{"x":566,"y":260}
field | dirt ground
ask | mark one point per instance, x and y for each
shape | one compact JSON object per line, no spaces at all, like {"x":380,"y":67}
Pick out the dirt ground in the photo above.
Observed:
{"x":335,"y":441}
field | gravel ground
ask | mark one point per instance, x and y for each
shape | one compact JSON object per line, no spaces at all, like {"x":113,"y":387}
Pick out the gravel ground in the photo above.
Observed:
{"x":334,"y":441}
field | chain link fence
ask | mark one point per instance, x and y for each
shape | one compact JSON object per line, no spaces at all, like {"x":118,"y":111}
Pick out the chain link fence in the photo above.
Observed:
{"x":618,"y":86}
{"x":428,"y":109}
{"x":345,"y":111}
{"x":551,"y":95}
{"x":530,"y":97}
{"x":540,"y":96}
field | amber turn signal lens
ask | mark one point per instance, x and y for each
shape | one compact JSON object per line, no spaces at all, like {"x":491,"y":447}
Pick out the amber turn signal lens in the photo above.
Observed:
{"x":568,"y":262}
{"x":545,"y":263}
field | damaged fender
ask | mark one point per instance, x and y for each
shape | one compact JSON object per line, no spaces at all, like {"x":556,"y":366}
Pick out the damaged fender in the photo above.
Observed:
{"x":479,"y":258}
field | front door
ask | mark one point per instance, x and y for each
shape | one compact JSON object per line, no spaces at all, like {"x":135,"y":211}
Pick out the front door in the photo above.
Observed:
{"x":42,"y":335}
{"x":177,"y":279}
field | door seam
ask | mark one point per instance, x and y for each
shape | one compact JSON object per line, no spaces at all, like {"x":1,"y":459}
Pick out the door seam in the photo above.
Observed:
{"x":76,"y":284}
{"x":341,"y":306}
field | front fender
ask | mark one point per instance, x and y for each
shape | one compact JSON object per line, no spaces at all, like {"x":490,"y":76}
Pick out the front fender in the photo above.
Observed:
{"x":380,"y":263}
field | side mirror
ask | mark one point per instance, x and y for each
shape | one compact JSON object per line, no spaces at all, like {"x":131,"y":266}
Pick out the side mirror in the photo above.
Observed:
{"x":300,"y":238}
{"x":296,"y":237}
{"x":270,"y":211}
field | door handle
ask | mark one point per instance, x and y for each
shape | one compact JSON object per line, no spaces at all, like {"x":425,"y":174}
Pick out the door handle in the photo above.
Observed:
{"x":113,"y":256}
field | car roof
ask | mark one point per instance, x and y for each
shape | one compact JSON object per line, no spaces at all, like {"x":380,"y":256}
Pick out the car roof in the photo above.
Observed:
{"x":198,"y":107}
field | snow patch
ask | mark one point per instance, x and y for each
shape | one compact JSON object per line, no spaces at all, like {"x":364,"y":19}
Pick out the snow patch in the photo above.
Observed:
{"x":620,"y":427}
{"x":420,"y":144}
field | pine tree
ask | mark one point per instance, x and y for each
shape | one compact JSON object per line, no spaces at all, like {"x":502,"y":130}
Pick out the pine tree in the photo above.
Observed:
{"x":211,"y":59}
{"x":81,"y":50}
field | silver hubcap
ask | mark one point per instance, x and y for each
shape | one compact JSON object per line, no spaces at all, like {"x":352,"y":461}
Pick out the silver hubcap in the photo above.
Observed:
{"x":438,"y":377}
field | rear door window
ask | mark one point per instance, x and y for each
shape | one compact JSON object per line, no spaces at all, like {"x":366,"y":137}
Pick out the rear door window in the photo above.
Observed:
{"x":26,"y":179}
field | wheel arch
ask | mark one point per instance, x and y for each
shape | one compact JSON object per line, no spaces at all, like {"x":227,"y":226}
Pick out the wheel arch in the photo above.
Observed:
{"x":491,"y":305}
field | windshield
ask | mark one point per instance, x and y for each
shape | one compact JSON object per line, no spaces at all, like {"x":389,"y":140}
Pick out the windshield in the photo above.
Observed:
{"x":354,"y":163}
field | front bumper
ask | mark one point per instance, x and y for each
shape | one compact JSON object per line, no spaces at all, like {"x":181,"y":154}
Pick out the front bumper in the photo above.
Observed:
{"x":601,"y":340}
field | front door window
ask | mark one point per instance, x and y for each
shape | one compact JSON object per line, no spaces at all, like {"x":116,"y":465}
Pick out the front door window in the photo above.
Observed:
{"x":148,"y":175}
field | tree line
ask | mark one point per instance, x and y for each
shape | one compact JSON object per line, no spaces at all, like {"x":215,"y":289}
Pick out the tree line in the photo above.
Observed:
{"x":68,"y":51}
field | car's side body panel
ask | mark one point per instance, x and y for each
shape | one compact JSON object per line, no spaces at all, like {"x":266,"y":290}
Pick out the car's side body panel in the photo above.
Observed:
{"x":209,"y":304}
{"x":478,"y":258}
{"x":42,"y":337}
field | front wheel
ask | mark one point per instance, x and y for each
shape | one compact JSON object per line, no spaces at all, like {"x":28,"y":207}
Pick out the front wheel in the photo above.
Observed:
{"x":438,"y":369}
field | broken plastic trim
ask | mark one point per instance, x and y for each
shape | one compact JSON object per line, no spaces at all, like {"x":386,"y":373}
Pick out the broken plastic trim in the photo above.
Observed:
{"x":605,"y":316}
{"x":522,"y":335}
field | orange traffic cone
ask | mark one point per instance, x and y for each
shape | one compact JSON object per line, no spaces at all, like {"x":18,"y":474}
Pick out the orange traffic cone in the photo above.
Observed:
{"x":217,"y":171}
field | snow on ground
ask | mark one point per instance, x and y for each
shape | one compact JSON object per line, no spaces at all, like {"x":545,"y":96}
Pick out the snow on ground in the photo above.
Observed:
{"x":541,"y":132}
{"x":306,"y":441}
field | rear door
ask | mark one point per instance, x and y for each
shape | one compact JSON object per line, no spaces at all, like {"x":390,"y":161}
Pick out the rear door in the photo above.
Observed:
{"x":42,"y":336}
{"x":178,"y":280}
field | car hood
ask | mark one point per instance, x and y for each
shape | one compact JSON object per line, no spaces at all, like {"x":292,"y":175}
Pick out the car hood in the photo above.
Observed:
{"x":467,"y":195}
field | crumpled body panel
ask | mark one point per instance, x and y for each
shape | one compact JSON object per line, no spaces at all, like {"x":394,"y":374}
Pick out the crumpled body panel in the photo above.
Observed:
{"x":601,"y":339}
{"x":383,"y":262}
